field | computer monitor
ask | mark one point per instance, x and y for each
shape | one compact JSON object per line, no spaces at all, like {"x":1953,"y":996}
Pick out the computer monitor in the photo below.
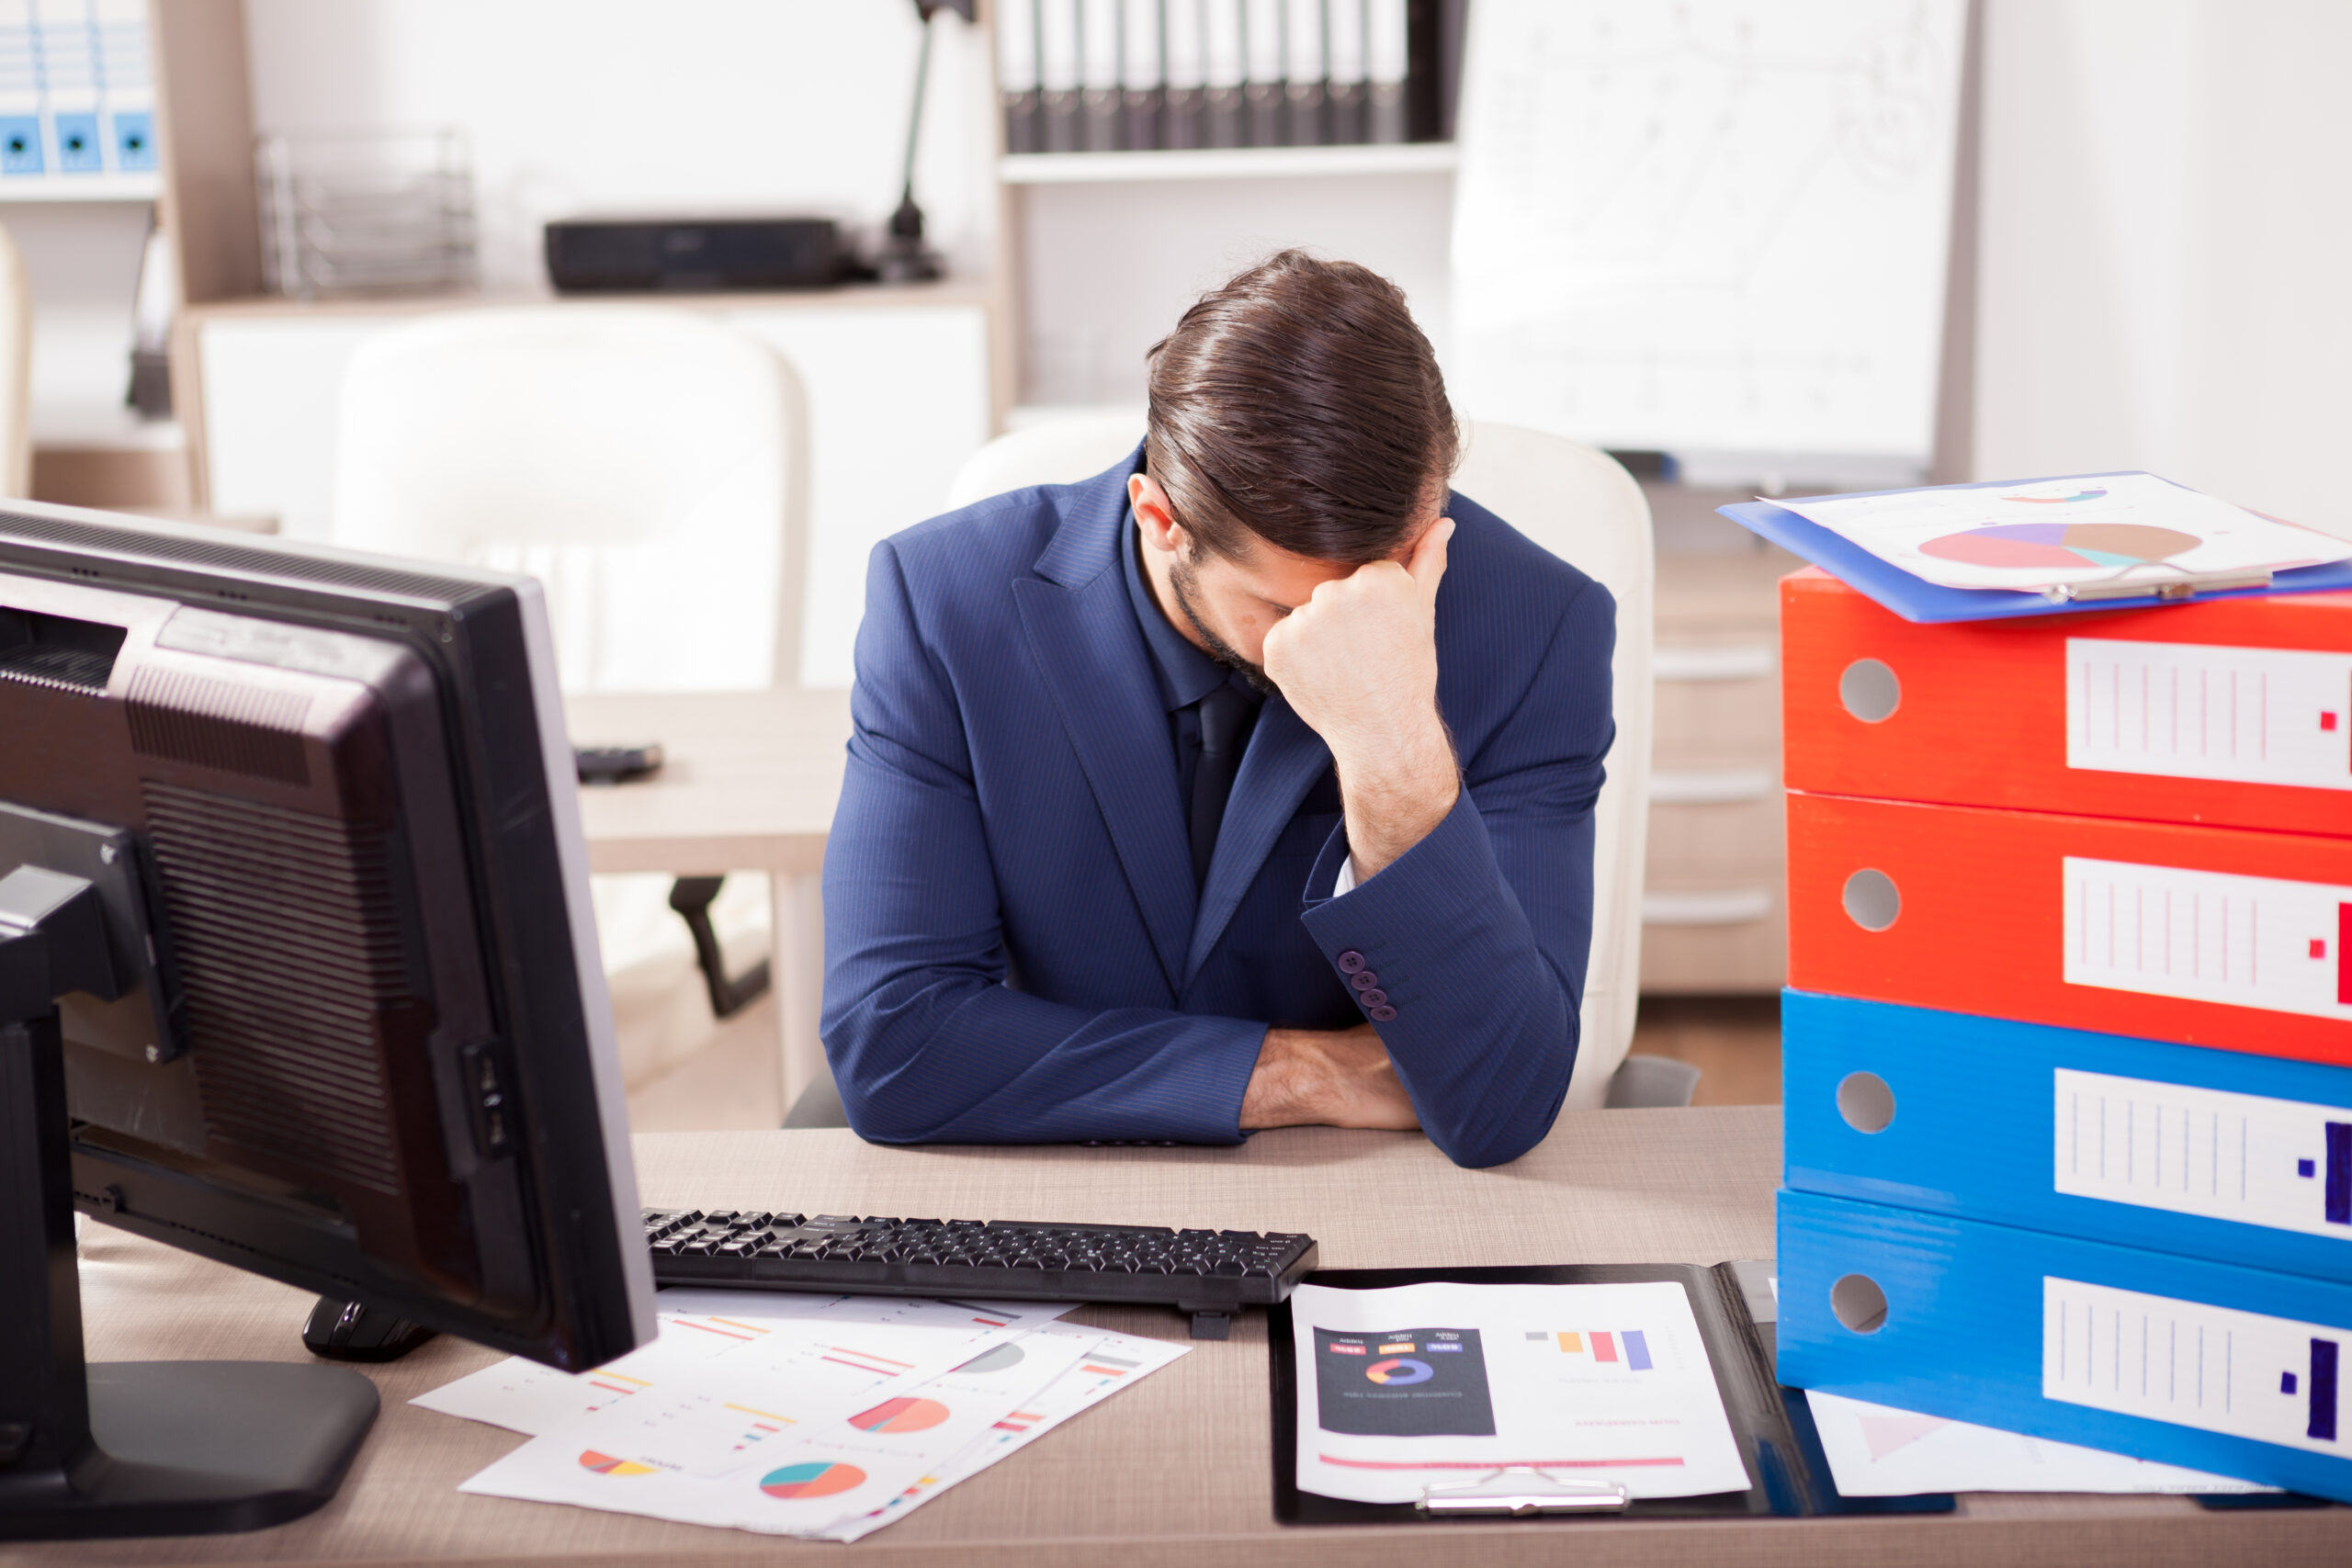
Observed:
{"x":298,"y":973}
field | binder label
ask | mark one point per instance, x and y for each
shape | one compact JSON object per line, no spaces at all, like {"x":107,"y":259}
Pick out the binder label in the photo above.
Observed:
{"x":2282,"y":1164}
{"x":2198,"y":711}
{"x":2209,"y":936}
{"x":2216,"y":1369}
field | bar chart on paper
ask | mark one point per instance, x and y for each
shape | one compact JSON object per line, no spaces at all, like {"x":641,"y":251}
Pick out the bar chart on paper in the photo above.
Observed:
{"x":1627,"y":1347}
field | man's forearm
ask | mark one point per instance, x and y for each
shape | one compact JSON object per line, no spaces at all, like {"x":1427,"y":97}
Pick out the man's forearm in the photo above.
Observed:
{"x":1395,"y":798}
{"x":1326,"y":1077}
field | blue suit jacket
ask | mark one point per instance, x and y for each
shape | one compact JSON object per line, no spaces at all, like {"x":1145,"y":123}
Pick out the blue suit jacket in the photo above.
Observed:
{"x":1014,"y":949}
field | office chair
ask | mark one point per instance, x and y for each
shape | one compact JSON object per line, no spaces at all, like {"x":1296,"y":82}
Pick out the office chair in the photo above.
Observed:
{"x":1578,"y":504}
{"x":649,"y":467}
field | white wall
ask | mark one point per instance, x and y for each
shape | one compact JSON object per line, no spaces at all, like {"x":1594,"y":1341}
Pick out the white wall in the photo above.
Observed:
{"x":1108,"y":268}
{"x":2168,"y":215}
{"x":683,"y":106}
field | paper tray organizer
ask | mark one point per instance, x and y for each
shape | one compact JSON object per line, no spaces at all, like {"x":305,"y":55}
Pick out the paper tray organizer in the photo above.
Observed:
{"x":1774,"y":1428}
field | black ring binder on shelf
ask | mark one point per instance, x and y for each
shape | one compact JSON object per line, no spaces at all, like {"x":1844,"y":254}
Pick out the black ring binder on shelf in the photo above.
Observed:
{"x":1777,"y":1437}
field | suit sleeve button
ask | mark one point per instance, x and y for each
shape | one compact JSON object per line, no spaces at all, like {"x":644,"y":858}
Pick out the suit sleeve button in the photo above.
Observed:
{"x":1374,"y":999}
{"x":1383,"y":1014}
{"x":1363,"y":979}
{"x":1350,"y":961}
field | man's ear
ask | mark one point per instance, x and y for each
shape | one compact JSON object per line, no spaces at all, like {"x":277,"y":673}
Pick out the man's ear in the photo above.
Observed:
{"x":1161,"y":529}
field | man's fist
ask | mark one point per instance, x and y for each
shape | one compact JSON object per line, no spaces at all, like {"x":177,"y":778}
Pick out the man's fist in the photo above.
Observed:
{"x":1358,"y":663}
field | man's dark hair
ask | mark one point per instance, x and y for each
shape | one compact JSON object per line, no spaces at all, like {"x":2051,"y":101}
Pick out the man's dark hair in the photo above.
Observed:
{"x":1300,"y":404}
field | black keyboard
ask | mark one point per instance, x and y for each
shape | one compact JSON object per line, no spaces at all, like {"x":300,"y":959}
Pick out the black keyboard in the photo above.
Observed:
{"x":1210,"y":1274}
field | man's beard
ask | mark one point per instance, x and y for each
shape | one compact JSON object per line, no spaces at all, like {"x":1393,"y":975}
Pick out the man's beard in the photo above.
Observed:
{"x":1183,"y":579}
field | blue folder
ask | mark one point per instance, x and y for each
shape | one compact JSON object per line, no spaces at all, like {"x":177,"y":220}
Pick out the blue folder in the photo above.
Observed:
{"x":1915,"y":599}
{"x":2215,"y":1153}
{"x":2151,"y":1354}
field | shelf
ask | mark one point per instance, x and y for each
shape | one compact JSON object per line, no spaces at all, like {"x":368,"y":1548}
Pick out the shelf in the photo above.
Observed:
{"x":80,"y":188}
{"x":852,"y":296}
{"x":1226,"y":163}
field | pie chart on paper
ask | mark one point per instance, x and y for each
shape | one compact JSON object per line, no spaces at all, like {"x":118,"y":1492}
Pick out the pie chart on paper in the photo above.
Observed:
{"x":2065,"y":547}
{"x":1002,"y":1358}
{"x":900,"y":1416}
{"x":605,"y":1464}
{"x":815,"y":1478}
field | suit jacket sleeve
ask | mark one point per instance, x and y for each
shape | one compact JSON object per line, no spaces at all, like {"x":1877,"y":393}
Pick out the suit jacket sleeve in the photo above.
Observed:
{"x":1479,"y":934}
{"x":927,"y":1042}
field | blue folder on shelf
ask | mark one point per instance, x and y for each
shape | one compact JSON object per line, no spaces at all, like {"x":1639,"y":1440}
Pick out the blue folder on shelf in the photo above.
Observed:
{"x":2209,"y":1365}
{"x":2214,"y":1154}
{"x":1915,"y":599}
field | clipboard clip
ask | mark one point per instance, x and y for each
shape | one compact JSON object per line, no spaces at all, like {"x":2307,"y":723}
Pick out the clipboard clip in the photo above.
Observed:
{"x":1521,"y":1489}
{"x":2165,"y":591}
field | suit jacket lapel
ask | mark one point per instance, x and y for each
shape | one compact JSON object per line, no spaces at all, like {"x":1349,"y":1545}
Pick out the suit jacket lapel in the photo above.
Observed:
{"x":1284,"y":761}
{"x":1081,"y":626}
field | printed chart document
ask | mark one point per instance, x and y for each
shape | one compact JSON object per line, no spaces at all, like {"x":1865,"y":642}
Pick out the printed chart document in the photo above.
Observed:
{"x":1436,"y":1385}
{"x":732,"y":1370}
{"x":2092,"y":528}
{"x":1876,"y":1450}
{"x":852,"y":1475}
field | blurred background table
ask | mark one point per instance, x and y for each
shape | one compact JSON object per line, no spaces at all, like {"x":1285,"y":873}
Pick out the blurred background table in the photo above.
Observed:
{"x":748,"y":783}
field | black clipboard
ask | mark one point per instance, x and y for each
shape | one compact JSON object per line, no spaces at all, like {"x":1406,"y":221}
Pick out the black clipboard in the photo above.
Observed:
{"x":1777,"y":1437}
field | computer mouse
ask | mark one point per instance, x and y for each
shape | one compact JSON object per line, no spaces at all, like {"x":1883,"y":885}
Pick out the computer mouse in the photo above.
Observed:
{"x":353,"y":1331}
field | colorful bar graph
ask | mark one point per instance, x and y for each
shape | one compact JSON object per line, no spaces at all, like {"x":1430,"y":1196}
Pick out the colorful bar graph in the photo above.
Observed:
{"x":2322,"y":1424}
{"x":1628,"y":1347}
{"x":2339,"y":1173}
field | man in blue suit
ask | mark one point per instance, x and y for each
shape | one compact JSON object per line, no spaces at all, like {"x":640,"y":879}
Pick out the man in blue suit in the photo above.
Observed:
{"x":1246,"y":785}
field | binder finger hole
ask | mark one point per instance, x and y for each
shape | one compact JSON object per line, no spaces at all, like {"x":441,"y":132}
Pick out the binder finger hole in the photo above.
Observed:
{"x":1871,"y":900}
{"x":1858,"y":1303}
{"x":1870,"y":691}
{"x":1865,"y":1101}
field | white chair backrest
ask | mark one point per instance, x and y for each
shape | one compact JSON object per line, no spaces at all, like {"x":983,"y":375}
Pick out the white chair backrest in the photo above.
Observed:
{"x":16,"y":371}
{"x":1582,"y":505}
{"x":1060,"y":452}
{"x":645,"y":464}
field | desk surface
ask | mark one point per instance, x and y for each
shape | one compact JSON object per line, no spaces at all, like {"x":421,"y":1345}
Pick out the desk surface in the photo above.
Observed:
{"x":749,"y":783}
{"x":1174,"y":1470}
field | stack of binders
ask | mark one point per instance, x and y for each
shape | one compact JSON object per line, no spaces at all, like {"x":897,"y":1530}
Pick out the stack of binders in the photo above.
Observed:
{"x":2068,"y":1041}
{"x":1171,"y":75}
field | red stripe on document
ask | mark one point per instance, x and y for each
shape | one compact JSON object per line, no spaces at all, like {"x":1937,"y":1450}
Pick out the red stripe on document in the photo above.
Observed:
{"x":1495,"y":1463}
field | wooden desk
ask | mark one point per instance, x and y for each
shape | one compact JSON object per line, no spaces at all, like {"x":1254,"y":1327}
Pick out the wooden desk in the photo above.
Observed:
{"x":749,"y":783}
{"x":1175,"y":1470}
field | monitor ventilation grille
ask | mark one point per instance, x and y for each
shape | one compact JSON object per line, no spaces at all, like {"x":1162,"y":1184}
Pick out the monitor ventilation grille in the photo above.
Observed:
{"x":213,"y":723}
{"x":289,"y":944}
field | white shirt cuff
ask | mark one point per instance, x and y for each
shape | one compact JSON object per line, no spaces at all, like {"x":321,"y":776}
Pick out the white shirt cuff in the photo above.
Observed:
{"x":1346,"y":881}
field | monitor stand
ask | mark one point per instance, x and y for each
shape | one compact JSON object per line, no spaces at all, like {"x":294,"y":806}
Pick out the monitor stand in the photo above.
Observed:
{"x":125,"y":1447}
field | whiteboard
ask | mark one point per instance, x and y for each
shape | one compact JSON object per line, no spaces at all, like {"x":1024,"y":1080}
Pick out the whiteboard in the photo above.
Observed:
{"x":1707,"y":226}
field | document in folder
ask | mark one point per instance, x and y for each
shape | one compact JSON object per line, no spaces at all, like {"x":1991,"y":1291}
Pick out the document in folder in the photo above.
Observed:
{"x":1432,"y":1384}
{"x":2076,"y":532}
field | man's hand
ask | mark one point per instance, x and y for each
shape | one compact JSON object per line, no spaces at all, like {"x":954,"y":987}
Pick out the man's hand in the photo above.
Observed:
{"x":1331,"y":1078}
{"x":1358,"y":663}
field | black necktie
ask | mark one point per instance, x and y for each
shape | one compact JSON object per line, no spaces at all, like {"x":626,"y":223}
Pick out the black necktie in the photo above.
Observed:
{"x":1225,"y":725}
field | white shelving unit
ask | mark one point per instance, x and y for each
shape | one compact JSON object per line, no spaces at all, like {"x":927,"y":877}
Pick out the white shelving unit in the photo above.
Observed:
{"x":1225,"y":163}
{"x":80,"y":188}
